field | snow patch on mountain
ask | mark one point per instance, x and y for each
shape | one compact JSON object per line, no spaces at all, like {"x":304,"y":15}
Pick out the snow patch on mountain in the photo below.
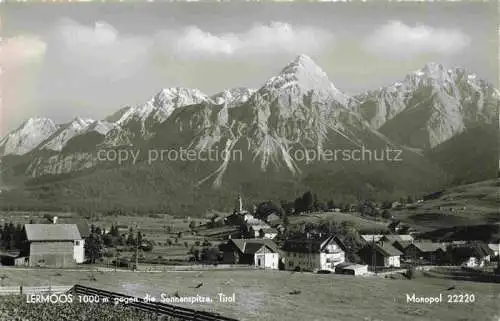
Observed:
{"x":233,"y":97}
{"x":453,"y":97}
{"x":27,"y":136}
{"x":60,"y":138}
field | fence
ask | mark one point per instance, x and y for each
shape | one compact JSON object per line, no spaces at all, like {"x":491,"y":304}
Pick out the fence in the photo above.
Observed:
{"x":47,"y":289}
{"x":155,"y":307}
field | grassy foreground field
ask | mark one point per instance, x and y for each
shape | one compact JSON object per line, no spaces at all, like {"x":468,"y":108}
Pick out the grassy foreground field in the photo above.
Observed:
{"x":264,"y":295}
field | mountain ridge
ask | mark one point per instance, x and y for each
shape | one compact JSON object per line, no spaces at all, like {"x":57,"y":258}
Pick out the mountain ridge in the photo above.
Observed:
{"x":299,"y":109}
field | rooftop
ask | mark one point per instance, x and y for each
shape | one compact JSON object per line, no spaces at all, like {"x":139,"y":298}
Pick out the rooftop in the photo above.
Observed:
{"x":52,"y":232}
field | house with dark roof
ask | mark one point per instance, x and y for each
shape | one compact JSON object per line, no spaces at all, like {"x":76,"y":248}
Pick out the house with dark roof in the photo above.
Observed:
{"x":82,"y":225}
{"x":371,"y":237}
{"x":399,"y":241}
{"x":430,"y":252}
{"x":262,"y":253}
{"x":314,"y":252}
{"x":57,"y":245}
{"x":381,"y":254}
{"x":473,"y":254}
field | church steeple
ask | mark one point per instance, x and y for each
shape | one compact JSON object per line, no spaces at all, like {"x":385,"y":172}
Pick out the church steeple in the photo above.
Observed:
{"x":239,"y":204}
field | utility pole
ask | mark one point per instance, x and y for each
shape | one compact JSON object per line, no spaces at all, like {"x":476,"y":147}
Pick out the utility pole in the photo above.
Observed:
{"x":137,"y":250}
{"x":374,"y":256}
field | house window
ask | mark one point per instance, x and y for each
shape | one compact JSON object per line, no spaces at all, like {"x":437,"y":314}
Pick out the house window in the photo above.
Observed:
{"x":77,"y":243}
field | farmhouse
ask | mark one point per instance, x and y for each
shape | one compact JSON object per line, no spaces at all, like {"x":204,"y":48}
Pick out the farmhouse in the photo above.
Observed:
{"x":400,"y":242}
{"x":314,"y":252}
{"x":381,"y":254}
{"x":261,"y":253}
{"x":475,"y":254}
{"x":427,"y":251}
{"x":58,"y":245}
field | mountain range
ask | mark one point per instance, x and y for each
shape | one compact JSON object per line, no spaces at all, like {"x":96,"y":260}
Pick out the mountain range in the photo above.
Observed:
{"x":443,"y":121}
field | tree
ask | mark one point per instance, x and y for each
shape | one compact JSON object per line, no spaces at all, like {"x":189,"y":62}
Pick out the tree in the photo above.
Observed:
{"x":298,"y":205}
{"x":93,"y":247}
{"x":192,"y":225}
{"x":267,"y":208}
{"x":195,"y":252}
{"x":210,"y":254}
{"x":287,"y":207}
{"x":130,"y":237}
{"x":386,"y":205}
{"x":308,"y":201}
{"x":330,"y":204}
{"x":285,"y":220}
{"x":386,"y":214}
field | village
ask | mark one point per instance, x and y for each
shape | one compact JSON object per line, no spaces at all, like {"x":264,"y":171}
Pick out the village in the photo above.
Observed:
{"x":241,"y":239}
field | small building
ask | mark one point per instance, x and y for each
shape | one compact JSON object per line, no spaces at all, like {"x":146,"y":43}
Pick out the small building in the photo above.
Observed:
{"x":473,"y":262}
{"x":371,"y":237}
{"x":473,"y":254}
{"x":381,"y":254}
{"x":56,"y":245}
{"x":273,"y":219}
{"x":268,"y":233}
{"x":495,"y":247}
{"x":262,"y":253}
{"x":392,"y":238}
{"x":314,"y":252}
{"x":425,"y":251}
{"x":13,"y":258}
{"x":351,"y":269}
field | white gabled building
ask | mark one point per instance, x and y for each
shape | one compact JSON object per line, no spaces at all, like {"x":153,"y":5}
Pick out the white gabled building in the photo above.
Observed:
{"x":314,"y":252}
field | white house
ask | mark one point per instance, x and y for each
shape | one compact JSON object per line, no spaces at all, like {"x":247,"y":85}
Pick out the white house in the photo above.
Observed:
{"x":268,"y":233}
{"x":473,"y":262}
{"x":261,"y":253}
{"x":314,"y":252}
{"x":78,"y":245}
{"x":495,"y":247}
{"x":79,"y":251}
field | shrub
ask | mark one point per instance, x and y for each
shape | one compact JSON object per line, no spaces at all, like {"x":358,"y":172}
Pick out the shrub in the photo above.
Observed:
{"x":411,"y":272}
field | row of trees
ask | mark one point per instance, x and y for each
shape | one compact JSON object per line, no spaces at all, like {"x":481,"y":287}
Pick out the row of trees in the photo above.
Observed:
{"x":98,"y":240}
{"x":309,"y":203}
{"x":13,"y":237}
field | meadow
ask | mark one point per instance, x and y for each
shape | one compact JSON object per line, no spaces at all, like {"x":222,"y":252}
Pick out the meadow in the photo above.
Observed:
{"x":265,"y":295}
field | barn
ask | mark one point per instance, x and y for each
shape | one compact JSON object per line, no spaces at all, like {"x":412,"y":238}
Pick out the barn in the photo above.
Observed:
{"x":56,"y":245}
{"x":262,"y":253}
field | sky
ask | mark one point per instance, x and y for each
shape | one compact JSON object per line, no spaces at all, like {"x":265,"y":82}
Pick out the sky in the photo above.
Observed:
{"x":91,"y":59}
